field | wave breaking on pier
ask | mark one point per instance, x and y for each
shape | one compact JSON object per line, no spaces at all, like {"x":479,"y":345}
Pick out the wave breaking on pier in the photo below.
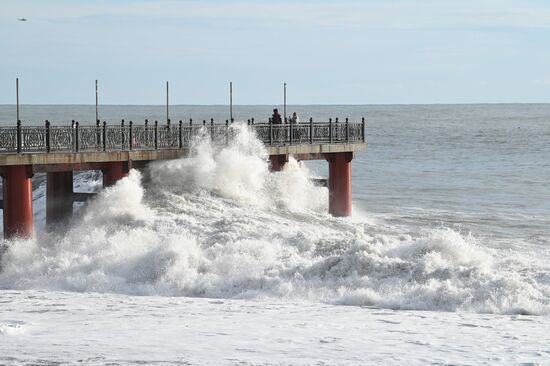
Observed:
{"x":220,"y":225}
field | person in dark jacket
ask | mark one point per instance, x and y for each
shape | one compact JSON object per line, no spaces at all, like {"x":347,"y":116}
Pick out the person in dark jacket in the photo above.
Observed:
{"x":276,"y":117}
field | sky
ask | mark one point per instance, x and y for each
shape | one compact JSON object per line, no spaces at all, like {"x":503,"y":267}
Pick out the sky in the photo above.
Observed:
{"x":328,"y":52}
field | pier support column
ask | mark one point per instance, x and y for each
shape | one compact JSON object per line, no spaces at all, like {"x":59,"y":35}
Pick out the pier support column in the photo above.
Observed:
{"x":17,"y":185}
{"x":277,"y":162}
{"x":339,"y":183}
{"x":114,"y":171}
{"x":59,"y":196}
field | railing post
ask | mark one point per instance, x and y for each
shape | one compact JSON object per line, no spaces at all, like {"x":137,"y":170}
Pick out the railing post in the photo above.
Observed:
{"x":48,"y":136}
{"x":347,"y":129}
{"x":271,"y":131}
{"x":252,"y":120}
{"x":337,"y":130}
{"x":72,"y":135}
{"x":131,"y":135}
{"x":190,"y":135}
{"x":212,"y":129}
{"x":363,"y":128}
{"x":76,"y":140}
{"x":311,"y":130}
{"x":226,"y":131}
{"x":122,"y":139}
{"x":204,"y":123}
{"x":104,"y":136}
{"x":330,"y":130}
{"x":290,"y":132}
{"x":248,"y":122}
{"x":156,"y":135}
{"x":98,"y":134}
{"x":232,"y":120}
{"x":147,"y":140}
{"x":181,"y":134}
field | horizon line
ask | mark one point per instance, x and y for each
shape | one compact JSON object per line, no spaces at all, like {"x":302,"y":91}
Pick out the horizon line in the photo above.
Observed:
{"x":266,"y":105}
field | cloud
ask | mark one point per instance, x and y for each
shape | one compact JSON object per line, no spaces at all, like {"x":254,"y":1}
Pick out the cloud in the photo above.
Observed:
{"x":380,"y":14}
{"x":337,"y":51}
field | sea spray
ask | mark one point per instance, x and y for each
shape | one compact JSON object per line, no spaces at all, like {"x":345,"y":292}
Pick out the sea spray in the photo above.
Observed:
{"x":237,"y":171}
{"x":218,"y":224}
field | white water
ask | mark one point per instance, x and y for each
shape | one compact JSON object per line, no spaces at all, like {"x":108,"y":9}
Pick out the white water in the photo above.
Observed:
{"x":219,"y":225}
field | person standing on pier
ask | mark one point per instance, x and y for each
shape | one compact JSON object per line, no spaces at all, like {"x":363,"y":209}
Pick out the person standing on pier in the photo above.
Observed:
{"x":277,"y":120}
{"x":296,"y":132}
{"x":276,"y":117}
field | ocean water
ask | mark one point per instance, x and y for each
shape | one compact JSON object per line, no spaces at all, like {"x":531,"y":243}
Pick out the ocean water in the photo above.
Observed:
{"x":214,"y":260}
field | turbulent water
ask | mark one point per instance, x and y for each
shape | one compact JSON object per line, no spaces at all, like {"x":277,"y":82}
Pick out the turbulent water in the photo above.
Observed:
{"x":451,"y":213}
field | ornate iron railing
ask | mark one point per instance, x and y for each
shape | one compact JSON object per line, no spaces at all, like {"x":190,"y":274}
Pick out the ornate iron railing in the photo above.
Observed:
{"x":125,"y":137}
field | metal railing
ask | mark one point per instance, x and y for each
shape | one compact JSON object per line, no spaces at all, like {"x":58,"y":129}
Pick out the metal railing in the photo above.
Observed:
{"x":127,"y":137}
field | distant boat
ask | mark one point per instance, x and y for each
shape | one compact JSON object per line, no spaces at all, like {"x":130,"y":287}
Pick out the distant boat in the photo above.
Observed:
{"x":22,"y":19}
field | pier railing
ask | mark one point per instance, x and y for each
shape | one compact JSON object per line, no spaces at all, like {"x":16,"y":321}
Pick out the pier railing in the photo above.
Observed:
{"x":130,"y":136}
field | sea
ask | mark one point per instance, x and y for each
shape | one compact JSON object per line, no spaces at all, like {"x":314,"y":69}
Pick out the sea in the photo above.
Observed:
{"x":215,"y":260}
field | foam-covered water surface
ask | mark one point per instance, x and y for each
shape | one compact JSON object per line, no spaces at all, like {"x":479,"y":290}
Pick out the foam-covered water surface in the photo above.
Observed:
{"x":47,"y":327}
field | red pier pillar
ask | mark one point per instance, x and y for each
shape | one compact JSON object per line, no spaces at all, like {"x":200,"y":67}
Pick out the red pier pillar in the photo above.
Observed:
{"x":17,"y":185}
{"x":59,"y":196}
{"x":278,"y":162}
{"x":114,"y":171}
{"x":339,"y":183}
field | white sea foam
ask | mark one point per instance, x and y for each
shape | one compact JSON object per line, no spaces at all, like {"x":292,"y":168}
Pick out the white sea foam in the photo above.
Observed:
{"x":218,"y":224}
{"x":12,"y":327}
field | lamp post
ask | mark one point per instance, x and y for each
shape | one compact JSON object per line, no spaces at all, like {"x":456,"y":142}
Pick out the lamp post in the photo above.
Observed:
{"x":284,"y":105}
{"x":17,"y":98}
{"x":96,"y":103}
{"x":167,"y":105}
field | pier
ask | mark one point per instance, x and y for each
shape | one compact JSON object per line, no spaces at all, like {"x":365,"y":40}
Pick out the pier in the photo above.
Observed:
{"x":59,"y":151}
